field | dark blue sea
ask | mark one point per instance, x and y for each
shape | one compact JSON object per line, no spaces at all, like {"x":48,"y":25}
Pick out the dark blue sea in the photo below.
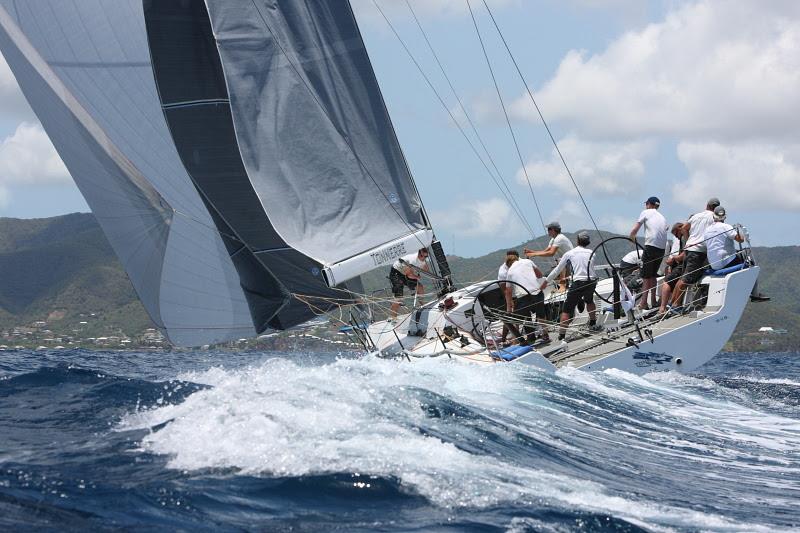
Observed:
{"x":318,"y":442}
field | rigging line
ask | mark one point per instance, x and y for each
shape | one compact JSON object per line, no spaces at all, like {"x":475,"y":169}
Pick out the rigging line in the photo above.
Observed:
{"x":343,"y":137}
{"x":444,"y":104}
{"x":467,"y":115}
{"x":505,"y":114}
{"x":541,"y":116}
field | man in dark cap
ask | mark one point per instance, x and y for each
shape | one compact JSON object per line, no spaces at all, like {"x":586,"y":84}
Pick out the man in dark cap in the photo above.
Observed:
{"x":655,"y":242}
{"x":559,"y":245}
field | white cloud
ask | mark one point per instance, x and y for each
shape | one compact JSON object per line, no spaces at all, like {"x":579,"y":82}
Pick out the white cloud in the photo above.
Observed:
{"x":492,"y":217}
{"x":598,"y":167}
{"x":12,"y":103}
{"x":28,"y":158}
{"x":744,"y":176}
{"x":708,"y":70}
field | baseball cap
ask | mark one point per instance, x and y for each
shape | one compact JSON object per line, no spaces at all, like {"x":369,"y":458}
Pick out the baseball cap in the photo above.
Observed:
{"x":654,"y":201}
{"x":713,"y":201}
{"x":719,"y":213}
{"x":554,"y":225}
{"x":583,"y":236}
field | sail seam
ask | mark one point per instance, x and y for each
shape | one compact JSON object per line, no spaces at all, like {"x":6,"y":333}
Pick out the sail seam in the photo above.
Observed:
{"x":193,"y":103}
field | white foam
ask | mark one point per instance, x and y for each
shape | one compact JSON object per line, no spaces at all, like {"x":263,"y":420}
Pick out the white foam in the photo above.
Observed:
{"x":281,"y":419}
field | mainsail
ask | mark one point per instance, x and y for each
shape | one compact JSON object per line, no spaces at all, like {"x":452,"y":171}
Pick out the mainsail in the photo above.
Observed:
{"x":237,"y":155}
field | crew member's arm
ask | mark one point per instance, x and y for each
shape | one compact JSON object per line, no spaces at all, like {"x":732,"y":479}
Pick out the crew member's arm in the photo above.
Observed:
{"x":509,"y":298}
{"x":635,"y":230}
{"x":537,"y":272}
{"x":556,"y":271}
{"x":547,"y":252}
{"x":408,"y":271}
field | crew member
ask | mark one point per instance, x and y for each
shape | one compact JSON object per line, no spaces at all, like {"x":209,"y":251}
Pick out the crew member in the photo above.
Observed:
{"x":674,"y":269}
{"x":584,"y":282}
{"x":695,"y":259}
{"x":720,"y":239}
{"x":629,"y":269}
{"x":559,"y":245}
{"x":505,"y":288}
{"x":523,"y":297}
{"x":655,"y":242}
{"x":405,"y":273}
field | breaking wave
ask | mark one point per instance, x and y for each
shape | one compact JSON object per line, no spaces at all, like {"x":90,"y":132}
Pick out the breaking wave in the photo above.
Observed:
{"x":664,"y":450}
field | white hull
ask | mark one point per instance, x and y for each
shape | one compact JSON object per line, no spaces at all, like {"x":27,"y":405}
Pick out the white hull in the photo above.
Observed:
{"x":680,"y":343}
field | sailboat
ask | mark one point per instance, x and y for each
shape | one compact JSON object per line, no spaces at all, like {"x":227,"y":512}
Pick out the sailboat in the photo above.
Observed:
{"x":241,"y":161}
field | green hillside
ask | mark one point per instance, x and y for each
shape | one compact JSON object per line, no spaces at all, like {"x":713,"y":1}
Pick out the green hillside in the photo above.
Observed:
{"x":62,"y":271}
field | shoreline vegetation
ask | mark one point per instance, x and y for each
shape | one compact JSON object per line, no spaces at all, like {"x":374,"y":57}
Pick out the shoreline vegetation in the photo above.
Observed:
{"x":62,"y":287}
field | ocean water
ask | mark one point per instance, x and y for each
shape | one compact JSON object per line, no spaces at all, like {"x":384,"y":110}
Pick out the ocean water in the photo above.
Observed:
{"x":324,"y":442}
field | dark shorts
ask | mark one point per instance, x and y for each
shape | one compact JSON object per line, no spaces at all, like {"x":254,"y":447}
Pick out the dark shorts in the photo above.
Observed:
{"x":651,"y":260}
{"x":693,"y":267}
{"x":674,"y":275}
{"x":399,"y":280}
{"x":580,"y":290}
{"x":529,"y":304}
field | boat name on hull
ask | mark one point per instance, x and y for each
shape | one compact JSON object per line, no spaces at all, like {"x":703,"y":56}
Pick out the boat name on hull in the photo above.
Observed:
{"x":650,"y":358}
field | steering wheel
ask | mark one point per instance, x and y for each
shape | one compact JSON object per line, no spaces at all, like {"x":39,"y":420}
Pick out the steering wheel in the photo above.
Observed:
{"x":486,"y":315}
{"x":614,"y":268}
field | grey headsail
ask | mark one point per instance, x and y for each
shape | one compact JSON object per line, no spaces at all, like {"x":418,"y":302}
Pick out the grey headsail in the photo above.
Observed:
{"x":314,"y":134}
{"x":85,"y":68}
{"x":238,"y":155}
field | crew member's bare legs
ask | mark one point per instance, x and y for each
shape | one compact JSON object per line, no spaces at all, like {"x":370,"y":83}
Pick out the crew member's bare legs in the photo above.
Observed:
{"x":648,"y":288}
{"x":666,"y":293}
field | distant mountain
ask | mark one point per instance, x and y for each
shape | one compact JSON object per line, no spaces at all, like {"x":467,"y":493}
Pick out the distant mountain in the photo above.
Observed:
{"x":62,"y":271}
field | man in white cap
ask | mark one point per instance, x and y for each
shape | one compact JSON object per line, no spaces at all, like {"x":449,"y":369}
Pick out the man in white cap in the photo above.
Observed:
{"x":655,"y":242}
{"x":559,"y":245}
{"x":721,"y":239}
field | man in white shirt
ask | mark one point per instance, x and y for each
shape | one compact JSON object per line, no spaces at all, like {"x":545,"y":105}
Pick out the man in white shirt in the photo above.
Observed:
{"x":405,"y":273}
{"x":695,"y":259}
{"x":655,"y":242}
{"x":584,"y":282}
{"x":523,"y":297}
{"x":720,"y":241}
{"x":559,"y":245}
{"x":505,"y":289}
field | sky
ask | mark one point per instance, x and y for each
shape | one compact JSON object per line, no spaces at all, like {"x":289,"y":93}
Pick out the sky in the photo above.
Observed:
{"x":679,"y":100}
